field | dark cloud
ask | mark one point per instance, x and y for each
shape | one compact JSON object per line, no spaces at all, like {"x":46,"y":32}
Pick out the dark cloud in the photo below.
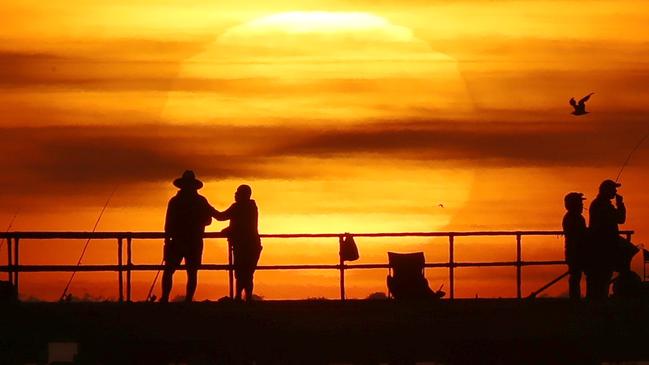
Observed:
{"x":75,"y":162}
{"x":500,"y":144}
{"x":25,"y":70}
{"x":548,"y":52}
{"x":502,"y":63}
{"x":112,"y":65}
{"x":76,"y":157}
{"x":100,"y":155}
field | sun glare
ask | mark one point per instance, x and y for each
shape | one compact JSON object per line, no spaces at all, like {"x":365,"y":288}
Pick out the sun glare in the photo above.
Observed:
{"x":299,"y":22}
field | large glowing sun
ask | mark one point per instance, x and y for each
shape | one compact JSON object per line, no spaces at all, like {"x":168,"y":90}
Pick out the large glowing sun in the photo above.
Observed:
{"x":342,"y":66}
{"x":324,"y":70}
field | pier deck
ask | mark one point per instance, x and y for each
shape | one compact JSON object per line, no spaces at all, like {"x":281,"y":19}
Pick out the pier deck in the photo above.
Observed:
{"x":318,"y":332}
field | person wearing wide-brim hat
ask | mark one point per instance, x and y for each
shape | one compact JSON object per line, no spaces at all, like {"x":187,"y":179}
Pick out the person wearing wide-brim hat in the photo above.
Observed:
{"x":604,"y":218}
{"x":188,"y":213}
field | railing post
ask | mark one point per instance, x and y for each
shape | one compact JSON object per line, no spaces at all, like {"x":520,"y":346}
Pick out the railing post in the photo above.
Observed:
{"x":120,"y":269}
{"x":519,"y":265}
{"x":10,"y":258}
{"x":451,"y":265}
{"x":230,"y":271}
{"x":129,"y":265}
{"x":16,"y":262}
{"x":342,"y":272}
{"x":342,"y":279}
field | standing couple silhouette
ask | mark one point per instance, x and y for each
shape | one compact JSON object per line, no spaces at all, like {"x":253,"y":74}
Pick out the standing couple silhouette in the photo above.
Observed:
{"x":188,"y":213}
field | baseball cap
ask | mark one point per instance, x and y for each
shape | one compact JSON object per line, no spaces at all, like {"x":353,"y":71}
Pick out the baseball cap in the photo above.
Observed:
{"x":573,"y":197}
{"x":608,"y":184}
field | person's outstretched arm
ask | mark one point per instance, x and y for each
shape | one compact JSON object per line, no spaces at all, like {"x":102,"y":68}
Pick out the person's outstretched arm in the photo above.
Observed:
{"x":209,"y":212}
{"x":224,"y":215}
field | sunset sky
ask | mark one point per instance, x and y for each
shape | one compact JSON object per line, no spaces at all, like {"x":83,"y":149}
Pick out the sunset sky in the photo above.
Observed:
{"x":343,"y":116}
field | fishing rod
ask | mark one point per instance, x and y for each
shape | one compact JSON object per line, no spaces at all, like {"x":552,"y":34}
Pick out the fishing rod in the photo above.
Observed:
{"x":628,"y":158}
{"x":85,"y":247}
{"x":534,"y":294}
{"x":11,"y":223}
{"x":149,"y":297}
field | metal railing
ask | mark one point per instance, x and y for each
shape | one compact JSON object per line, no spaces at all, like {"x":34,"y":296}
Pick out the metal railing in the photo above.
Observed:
{"x":125,"y":270}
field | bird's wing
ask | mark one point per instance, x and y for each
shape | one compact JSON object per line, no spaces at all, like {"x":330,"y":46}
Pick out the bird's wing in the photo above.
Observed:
{"x":573,"y":102}
{"x":585,"y":98}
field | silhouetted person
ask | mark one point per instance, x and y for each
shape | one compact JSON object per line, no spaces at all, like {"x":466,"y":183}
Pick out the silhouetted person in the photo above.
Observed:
{"x":604,"y":236}
{"x":187,"y":215}
{"x":243,"y":237}
{"x":575,"y":233}
{"x":580,"y":108}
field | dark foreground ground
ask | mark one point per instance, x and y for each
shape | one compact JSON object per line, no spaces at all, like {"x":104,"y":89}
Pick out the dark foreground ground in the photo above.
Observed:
{"x":319,"y":332}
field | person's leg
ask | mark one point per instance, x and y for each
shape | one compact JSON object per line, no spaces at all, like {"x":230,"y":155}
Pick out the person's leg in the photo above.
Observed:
{"x":192,"y":279}
{"x":238,"y":276}
{"x":597,"y":284}
{"x":167,"y":283}
{"x":594,"y":285}
{"x":248,"y":285}
{"x":574,"y":283}
{"x":606,"y":283}
{"x":193,"y":260}
{"x":249,"y":289}
{"x":589,"y":285}
{"x":172,"y":259}
{"x":250,"y":273}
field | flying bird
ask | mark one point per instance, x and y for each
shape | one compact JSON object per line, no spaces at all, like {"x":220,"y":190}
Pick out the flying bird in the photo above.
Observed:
{"x":580,"y":108}
{"x":440,"y":205}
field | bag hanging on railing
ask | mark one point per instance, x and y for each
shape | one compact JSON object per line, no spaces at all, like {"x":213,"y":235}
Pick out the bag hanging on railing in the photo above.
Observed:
{"x":348,"y":250}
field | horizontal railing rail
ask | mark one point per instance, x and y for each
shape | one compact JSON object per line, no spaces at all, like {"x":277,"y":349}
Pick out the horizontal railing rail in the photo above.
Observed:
{"x":13,"y":267}
{"x":154,"y":235}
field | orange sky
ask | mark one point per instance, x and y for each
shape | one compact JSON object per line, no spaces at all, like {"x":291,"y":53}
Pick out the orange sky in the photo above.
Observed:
{"x":342,"y":117}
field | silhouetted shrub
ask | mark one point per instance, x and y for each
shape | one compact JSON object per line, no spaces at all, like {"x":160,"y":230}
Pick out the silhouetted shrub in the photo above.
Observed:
{"x":379,"y":295}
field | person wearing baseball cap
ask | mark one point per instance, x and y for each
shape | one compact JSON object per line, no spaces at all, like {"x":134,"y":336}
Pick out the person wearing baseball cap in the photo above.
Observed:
{"x":575,"y":235}
{"x":604,"y":230}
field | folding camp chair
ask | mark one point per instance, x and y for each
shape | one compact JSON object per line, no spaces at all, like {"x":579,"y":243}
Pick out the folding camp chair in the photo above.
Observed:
{"x":406,"y":280}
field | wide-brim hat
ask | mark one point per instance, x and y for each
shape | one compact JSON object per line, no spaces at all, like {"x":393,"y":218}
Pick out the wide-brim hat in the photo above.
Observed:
{"x":188,"y":181}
